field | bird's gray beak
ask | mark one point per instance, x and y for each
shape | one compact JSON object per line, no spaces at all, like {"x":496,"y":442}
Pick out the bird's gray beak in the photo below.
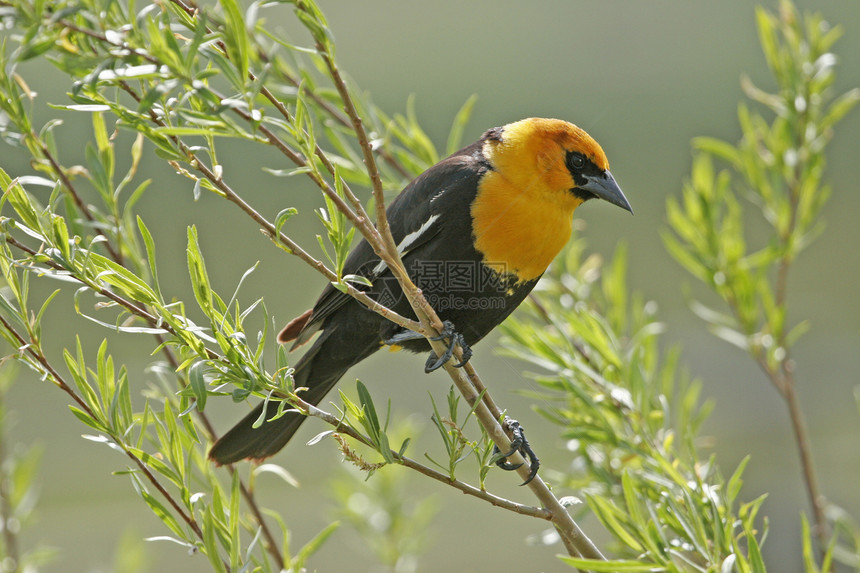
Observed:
{"x":604,"y":187}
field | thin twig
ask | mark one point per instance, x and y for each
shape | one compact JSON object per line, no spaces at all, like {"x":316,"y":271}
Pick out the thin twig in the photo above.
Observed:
{"x":798,"y":423}
{"x":72,"y":192}
{"x":343,"y":428}
{"x":567,"y":527}
{"x":364,"y":145}
{"x":192,"y":11}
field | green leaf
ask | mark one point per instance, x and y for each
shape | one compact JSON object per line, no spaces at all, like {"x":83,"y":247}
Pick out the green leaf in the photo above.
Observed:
{"x":809,"y":558}
{"x":314,"y":20}
{"x":149,"y":244}
{"x":21,"y":202}
{"x":357,"y":279}
{"x":261,"y":419}
{"x":235,"y":514}
{"x":279,"y":471}
{"x":611,"y":517}
{"x":199,"y":277}
{"x":767,"y":37}
{"x":87,"y":419}
{"x":61,"y":238}
{"x":236,"y":38}
{"x":313,"y":546}
{"x":210,"y":542}
{"x":366,"y":402}
{"x":371,"y":423}
{"x":160,"y":511}
{"x":157,"y":463}
{"x":615,"y":565}
{"x":197,"y":382}
{"x":38,"y":321}
{"x":184,"y":130}
{"x":283,"y":216}
{"x":840,"y":108}
{"x":122,"y":278}
{"x":402,"y":451}
{"x":717,"y":147}
{"x":733,"y":486}
{"x":755,"y":556}
{"x":631,"y":498}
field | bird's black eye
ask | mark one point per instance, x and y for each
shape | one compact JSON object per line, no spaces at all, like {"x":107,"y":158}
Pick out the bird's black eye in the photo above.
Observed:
{"x":576,"y":161}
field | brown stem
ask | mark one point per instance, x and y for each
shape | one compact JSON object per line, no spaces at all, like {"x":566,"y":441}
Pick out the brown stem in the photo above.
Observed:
{"x":804,"y":447}
{"x":467,"y":489}
{"x":784,"y":381}
{"x":366,"y":149}
{"x":786,"y":373}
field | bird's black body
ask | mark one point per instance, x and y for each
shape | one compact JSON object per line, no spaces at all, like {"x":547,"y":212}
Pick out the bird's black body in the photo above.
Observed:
{"x":475,"y":233}
{"x":475,"y":299}
{"x":446,"y":192}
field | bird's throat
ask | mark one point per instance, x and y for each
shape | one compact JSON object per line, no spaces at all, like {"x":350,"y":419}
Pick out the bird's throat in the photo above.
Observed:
{"x":521,"y":229}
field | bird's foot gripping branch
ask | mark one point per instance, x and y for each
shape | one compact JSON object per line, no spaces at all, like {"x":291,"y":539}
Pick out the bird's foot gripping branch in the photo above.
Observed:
{"x":449,"y":335}
{"x":520,"y":444}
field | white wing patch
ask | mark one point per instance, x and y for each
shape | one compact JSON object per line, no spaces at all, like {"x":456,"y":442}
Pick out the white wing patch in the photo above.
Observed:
{"x":410,"y":239}
{"x":407,"y":242}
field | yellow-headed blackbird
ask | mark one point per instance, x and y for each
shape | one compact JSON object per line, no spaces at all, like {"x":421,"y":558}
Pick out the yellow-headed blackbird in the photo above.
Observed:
{"x":476,"y":231}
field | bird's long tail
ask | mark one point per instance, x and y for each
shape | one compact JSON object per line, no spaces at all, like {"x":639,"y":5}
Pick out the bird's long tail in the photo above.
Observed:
{"x":318,"y":370}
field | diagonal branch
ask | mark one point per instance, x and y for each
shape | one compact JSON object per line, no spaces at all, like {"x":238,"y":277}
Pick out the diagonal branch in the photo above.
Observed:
{"x":468,"y":382}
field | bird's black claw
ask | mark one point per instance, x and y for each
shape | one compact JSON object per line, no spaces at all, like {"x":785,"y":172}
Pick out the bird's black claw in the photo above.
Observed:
{"x":520,"y":444}
{"x":455,"y":338}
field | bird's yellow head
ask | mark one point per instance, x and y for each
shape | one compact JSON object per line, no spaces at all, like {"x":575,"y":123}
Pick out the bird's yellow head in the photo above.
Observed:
{"x":554,"y":158}
{"x":543,"y":169}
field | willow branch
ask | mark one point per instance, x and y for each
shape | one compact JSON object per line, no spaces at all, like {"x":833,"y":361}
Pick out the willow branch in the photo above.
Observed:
{"x":67,"y":184}
{"x":192,"y":11}
{"x":136,"y":310}
{"x":798,"y":422}
{"x":33,"y":350}
{"x":366,"y":150}
{"x":343,"y":428}
{"x":359,"y":218}
{"x":278,"y":237}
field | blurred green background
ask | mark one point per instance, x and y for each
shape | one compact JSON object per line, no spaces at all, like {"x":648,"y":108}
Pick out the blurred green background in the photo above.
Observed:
{"x":643,"y":78}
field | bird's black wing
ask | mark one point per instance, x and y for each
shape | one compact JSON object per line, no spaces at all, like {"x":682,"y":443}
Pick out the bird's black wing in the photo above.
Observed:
{"x":417,"y":215}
